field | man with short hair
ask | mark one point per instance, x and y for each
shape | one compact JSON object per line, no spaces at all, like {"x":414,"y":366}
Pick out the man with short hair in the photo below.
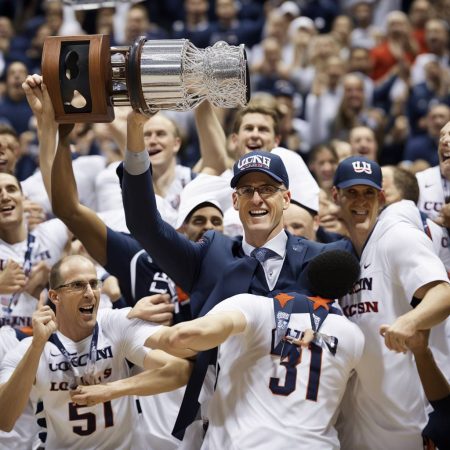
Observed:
{"x":9,"y":149}
{"x":434,"y":183}
{"x":24,"y":255}
{"x":77,"y":346}
{"x":301,"y":221}
{"x":255,"y":127}
{"x":385,"y":406}
{"x":363,"y":142}
{"x":424,"y":146}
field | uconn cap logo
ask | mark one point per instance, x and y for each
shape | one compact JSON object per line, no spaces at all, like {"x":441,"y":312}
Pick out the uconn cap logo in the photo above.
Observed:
{"x":254,"y":161}
{"x":260,"y":161}
{"x":362,"y":167}
{"x":358,"y":170}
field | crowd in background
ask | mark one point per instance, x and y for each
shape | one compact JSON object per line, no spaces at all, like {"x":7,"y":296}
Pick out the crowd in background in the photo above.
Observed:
{"x":327,"y":66}
{"x":329,"y":79}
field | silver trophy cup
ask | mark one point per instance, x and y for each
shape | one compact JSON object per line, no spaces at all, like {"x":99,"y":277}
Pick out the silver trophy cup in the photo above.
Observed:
{"x":149,"y":75}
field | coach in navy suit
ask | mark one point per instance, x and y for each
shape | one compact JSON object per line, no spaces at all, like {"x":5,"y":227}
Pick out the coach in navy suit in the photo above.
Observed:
{"x":266,"y":259}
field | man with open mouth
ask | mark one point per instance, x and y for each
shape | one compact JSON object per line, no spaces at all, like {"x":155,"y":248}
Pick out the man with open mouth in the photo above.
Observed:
{"x":403,"y":288}
{"x":78,"y":346}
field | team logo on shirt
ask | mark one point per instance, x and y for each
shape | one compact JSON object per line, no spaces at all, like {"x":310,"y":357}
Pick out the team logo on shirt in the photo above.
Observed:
{"x":362,"y":166}
{"x":360,"y":308}
{"x":364,"y":284}
{"x":79,"y":361}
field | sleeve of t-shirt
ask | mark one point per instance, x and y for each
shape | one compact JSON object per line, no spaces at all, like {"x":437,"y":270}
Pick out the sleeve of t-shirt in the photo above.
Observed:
{"x":12,"y":359}
{"x":132,"y":334}
{"x":245,"y":303}
{"x":410,"y":259}
{"x":54,"y":233}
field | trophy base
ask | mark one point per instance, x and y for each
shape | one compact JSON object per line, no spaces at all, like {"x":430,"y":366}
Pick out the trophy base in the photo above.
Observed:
{"x":77,"y":73}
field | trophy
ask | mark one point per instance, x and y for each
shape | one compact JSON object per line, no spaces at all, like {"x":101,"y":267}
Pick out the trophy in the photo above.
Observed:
{"x":86,"y":77}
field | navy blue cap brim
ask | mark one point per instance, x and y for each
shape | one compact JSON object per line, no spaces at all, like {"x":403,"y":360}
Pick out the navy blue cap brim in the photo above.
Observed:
{"x":356,"y":181}
{"x":238,"y":176}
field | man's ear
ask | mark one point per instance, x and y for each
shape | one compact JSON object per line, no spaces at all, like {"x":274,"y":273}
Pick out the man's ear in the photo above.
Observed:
{"x":235,"y":199}
{"x":334,"y":194}
{"x":382,"y":198}
{"x":53,"y":296}
{"x":286,"y":199}
{"x":277,"y":140}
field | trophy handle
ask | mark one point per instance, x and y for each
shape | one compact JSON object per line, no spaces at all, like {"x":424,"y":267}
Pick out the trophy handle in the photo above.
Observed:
{"x":82,"y":64}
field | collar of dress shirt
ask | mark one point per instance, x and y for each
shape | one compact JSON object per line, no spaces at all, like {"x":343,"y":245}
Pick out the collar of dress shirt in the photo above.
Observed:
{"x":277,"y":244}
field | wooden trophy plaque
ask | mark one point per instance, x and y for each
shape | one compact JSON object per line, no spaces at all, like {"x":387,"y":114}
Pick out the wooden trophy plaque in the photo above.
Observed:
{"x":78,"y":75}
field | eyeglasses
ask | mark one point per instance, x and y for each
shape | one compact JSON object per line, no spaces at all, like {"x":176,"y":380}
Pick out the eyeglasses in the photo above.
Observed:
{"x":264,"y":191}
{"x":81,"y":286}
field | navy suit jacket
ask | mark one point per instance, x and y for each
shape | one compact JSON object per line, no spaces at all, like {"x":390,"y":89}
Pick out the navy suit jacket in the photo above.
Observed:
{"x":214,"y":268}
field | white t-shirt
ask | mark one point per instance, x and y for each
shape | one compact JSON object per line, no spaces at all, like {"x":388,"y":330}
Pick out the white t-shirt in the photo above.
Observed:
{"x":104,"y":426}
{"x":50,"y":239}
{"x":260,"y":402}
{"x":183,"y":175}
{"x":107,"y":189}
{"x":85,"y":169}
{"x":431,"y":193}
{"x":385,"y":405}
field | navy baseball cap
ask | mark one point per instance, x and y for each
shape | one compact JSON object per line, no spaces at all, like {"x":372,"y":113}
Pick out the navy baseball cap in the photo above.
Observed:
{"x":260,"y":161}
{"x":358,"y":170}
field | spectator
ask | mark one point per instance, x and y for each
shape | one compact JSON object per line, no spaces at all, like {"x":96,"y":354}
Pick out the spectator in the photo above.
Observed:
{"x":195,"y":26}
{"x":229,"y":28}
{"x":424,"y":146}
{"x":398,"y":45}
{"x":419,"y":13}
{"x":363,"y":142}
{"x":434,"y":89}
{"x":137,"y":23}
{"x":14,"y":108}
{"x":436,"y":37}
{"x":322,"y":163}
{"x":271,"y":69}
{"x":365,"y":34}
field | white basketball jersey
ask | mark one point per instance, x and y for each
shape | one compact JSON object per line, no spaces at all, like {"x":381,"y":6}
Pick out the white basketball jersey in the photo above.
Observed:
{"x":104,"y":426}
{"x":385,"y":406}
{"x":431,"y":196}
{"x":50,"y":239}
{"x":265,"y":402}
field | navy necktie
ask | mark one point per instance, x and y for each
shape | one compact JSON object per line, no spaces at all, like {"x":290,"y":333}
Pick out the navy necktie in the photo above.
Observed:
{"x":262,"y":254}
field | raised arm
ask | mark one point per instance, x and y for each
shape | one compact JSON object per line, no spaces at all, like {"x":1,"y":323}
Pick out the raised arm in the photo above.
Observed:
{"x":14,"y":394}
{"x":82,"y":221}
{"x":212,"y":140}
{"x":164,"y":373}
{"x":173,"y":252}
{"x":41,"y":105}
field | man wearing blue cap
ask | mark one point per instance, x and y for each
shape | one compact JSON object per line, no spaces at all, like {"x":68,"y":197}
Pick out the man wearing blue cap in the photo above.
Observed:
{"x":385,"y":405}
{"x":218,"y":267}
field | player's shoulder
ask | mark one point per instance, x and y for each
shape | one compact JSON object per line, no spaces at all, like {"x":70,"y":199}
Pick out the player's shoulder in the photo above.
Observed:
{"x":348,"y":333}
{"x":428,"y":174}
{"x":108,"y":319}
